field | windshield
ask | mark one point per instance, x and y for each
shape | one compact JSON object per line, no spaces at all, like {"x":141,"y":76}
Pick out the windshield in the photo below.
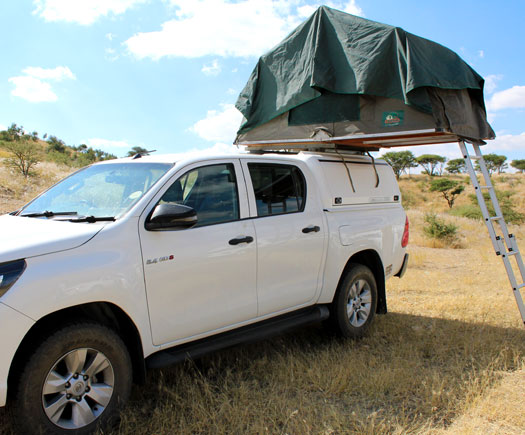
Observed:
{"x":99,"y":190}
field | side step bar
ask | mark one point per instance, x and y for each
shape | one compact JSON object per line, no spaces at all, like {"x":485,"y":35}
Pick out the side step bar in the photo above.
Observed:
{"x":246,"y":334}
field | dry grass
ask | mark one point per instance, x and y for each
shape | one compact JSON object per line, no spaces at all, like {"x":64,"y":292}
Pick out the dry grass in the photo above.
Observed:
{"x":449,"y":357}
{"x":15,"y":190}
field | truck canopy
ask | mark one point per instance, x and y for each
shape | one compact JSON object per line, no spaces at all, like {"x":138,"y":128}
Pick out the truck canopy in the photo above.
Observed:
{"x":338,"y":75}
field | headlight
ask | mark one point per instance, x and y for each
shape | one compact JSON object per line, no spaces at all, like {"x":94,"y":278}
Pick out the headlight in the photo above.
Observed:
{"x":9,"y":273}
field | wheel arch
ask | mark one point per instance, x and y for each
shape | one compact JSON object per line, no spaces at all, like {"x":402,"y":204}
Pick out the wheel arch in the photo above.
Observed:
{"x":104,"y":313}
{"x":371,"y":259}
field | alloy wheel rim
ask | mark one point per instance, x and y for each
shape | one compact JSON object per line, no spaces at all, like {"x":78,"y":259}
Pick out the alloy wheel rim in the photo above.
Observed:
{"x":78,"y":388}
{"x":359,"y":303}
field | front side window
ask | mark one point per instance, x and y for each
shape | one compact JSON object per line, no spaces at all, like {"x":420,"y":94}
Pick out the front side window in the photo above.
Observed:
{"x":210,"y":190}
{"x":278,"y":188}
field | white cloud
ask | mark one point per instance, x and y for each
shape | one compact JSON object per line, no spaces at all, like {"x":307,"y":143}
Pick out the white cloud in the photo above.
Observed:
{"x":352,"y":8}
{"x":223,"y":28}
{"x":219,"y":126}
{"x":58,"y":73}
{"x":84,"y":12}
{"x":481,"y":54}
{"x":106,"y":143}
{"x":491,"y":82}
{"x":212,"y":69}
{"x":110,"y":36}
{"x":111,"y":54}
{"x":505,"y":142}
{"x":306,"y":10}
{"x":513,"y":98}
{"x":32,"y":89}
{"x":218,"y":148}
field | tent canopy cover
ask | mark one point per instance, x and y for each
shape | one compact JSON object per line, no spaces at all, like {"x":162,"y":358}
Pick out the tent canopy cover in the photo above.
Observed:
{"x":339,"y":75}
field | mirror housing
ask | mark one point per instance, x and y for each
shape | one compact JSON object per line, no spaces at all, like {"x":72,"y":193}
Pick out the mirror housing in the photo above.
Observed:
{"x":171,"y":217}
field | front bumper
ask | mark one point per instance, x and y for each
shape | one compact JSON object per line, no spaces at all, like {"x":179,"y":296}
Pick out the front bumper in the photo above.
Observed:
{"x":13,"y":328}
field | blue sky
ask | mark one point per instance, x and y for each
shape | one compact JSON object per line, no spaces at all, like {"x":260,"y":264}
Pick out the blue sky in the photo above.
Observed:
{"x":164,"y":74}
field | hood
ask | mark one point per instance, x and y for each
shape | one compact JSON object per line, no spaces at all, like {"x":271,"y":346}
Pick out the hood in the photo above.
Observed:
{"x":23,"y":237}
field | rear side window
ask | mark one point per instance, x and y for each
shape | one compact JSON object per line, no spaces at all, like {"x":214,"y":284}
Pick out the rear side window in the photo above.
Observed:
{"x":278,"y":188}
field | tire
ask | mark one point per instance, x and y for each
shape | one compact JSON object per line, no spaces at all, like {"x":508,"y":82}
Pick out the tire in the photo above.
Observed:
{"x":75,"y":382}
{"x":355,"y":302}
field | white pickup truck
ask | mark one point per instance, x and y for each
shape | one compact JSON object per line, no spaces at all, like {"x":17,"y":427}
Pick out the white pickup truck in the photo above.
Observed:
{"x":142,"y":262}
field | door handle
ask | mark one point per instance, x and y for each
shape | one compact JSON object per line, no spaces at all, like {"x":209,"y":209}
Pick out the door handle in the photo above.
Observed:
{"x":311,"y":229}
{"x":236,"y":241}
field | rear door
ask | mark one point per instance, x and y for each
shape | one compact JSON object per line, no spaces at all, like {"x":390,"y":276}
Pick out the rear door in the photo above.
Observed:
{"x":290,"y":230}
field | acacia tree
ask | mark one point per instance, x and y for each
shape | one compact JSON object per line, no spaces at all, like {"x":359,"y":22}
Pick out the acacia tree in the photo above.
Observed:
{"x":432,"y":164}
{"x":400,"y":161}
{"x":494,"y":162}
{"x":450,"y":189}
{"x":456,"y":166}
{"x":136,"y":150}
{"x":25,"y":156}
{"x":519,"y":165}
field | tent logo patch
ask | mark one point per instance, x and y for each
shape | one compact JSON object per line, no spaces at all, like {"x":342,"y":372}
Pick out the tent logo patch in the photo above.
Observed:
{"x":393,"y":119}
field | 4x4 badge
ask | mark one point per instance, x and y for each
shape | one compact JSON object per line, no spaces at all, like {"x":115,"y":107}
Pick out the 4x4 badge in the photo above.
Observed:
{"x":160,"y":259}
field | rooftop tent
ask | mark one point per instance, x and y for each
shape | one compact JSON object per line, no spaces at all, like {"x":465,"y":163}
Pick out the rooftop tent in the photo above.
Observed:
{"x":344,"y":79}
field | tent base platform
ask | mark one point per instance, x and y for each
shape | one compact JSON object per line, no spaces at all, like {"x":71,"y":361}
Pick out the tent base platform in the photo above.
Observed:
{"x":356,"y":142}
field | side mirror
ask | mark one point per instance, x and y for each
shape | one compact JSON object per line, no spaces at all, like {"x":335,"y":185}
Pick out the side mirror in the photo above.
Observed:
{"x":171,"y":216}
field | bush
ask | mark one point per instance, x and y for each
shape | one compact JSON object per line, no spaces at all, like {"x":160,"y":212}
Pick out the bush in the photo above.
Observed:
{"x":505,"y":202}
{"x":437,"y":228}
{"x":470,"y":211}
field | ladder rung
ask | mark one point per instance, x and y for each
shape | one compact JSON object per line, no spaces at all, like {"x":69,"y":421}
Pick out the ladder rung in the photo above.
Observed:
{"x":512,"y":253}
{"x":485,"y":187}
{"x":476,"y":157}
{"x":496,"y":218}
{"x":520,"y":286}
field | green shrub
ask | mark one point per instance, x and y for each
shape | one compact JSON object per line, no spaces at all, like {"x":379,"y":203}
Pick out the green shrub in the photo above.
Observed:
{"x":437,"y":228}
{"x":471,"y":211}
{"x":505,"y":202}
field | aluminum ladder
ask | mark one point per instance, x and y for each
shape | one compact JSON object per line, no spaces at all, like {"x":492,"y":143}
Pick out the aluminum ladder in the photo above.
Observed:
{"x":505,"y":246}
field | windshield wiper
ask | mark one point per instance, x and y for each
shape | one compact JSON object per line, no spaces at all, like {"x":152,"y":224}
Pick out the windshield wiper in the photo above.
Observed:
{"x":49,"y":214}
{"x":93,"y":219}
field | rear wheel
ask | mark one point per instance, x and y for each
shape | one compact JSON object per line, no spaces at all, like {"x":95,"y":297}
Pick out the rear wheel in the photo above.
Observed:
{"x":355,"y":302}
{"x":75,"y":381}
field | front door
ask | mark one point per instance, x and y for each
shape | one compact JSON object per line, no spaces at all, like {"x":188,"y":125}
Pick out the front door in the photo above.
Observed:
{"x":200,"y":279}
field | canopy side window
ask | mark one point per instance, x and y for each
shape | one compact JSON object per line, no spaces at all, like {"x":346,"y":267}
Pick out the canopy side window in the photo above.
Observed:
{"x":278,"y":189}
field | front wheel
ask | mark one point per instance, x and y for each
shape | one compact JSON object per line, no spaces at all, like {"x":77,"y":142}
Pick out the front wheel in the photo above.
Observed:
{"x":355,"y":302}
{"x":75,"y":381}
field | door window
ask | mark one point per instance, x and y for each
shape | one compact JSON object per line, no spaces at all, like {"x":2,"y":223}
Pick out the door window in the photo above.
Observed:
{"x":210,"y":190}
{"x":278,"y":188}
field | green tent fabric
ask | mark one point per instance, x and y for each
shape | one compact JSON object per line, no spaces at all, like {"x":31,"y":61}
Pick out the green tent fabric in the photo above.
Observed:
{"x":350,"y":75}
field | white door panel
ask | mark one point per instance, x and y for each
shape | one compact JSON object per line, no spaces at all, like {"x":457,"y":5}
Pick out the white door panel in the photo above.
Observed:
{"x":288,"y":260}
{"x":209,"y":283}
{"x":196,"y":280}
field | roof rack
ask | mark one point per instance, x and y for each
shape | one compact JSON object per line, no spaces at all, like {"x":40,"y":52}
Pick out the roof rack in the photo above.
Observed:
{"x":355,"y":142}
